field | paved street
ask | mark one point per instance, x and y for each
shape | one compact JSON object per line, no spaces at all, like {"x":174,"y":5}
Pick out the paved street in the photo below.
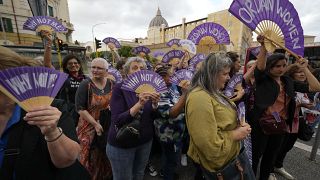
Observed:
{"x":297,"y":163}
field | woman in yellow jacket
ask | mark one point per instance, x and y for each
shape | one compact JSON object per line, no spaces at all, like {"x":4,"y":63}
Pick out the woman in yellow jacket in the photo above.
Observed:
{"x":215,"y":132}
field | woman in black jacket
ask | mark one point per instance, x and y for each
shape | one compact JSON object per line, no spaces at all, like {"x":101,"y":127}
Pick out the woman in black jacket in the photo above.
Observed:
{"x":274,"y":100}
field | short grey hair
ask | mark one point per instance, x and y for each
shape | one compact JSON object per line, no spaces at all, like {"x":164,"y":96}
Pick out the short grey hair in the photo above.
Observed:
{"x":126,"y":66}
{"x":105,"y":62}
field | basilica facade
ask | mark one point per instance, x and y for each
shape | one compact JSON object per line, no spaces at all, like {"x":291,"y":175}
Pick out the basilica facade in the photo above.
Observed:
{"x":159,"y":33}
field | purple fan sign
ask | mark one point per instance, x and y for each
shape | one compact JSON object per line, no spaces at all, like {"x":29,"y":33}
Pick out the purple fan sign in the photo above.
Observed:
{"x":33,"y":23}
{"x":229,"y":89}
{"x":173,"y":42}
{"x":116,"y":74}
{"x":27,"y":82}
{"x":140,"y":49}
{"x":135,"y":80}
{"x":158,"y":53}
{"x":281,"y":12}
{"x":218,"y":32}
{"x":172,"y":54}
{"x":181,"y":75}
{"x":195,"y":60}
{"x":113,"y":41}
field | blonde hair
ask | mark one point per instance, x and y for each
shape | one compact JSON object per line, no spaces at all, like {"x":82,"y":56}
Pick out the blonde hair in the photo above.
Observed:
{"x":10,"y":59}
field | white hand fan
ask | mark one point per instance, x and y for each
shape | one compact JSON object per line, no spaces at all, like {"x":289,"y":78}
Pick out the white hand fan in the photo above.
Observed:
{"x":188,"y":46}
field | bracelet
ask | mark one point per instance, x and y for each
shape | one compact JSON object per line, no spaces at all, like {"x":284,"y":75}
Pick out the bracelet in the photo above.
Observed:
{"x":54,"y":139}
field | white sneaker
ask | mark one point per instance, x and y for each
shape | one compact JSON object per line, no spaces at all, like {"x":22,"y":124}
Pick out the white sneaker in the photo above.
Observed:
{"x":184,"y":160}
{"x":152,"y":171}
{"x":272,"y":176}
{"x":284,"y":173}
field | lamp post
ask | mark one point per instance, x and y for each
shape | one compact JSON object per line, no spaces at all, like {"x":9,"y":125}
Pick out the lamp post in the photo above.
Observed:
{"x":93,"y":26}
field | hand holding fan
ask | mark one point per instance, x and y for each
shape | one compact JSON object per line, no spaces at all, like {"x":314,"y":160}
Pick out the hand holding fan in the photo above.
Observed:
{"x":144,"y":81}
{"x":114,"y":75}
{"x":31,"y":86}
{"x":47,"y":23}
{"x":112,"y":43}
{"x":181,"y":77}
{"x":276,"y":20}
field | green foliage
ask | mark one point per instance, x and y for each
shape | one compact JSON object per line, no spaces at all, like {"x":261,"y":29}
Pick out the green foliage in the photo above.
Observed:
{"x":101,"y":54}
{"x":125,"y":51}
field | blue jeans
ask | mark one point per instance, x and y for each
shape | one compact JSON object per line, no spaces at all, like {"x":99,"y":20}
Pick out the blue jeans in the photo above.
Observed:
{"x":129,"y":164}
{"x":169,"y":160}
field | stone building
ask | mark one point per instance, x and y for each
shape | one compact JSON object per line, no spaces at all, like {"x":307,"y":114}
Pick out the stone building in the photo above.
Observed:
{"x":14,"y":13}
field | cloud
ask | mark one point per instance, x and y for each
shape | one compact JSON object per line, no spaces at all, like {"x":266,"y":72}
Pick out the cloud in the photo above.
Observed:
{"x":128,"y":19}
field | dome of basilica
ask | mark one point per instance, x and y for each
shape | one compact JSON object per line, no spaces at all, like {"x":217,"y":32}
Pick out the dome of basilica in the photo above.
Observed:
{"x":158,"y":20}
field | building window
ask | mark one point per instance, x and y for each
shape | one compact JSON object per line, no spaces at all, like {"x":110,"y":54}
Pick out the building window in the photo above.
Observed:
{"x":50,"y":9}
{"x":1,"y":1}
{"x":7,"y":25}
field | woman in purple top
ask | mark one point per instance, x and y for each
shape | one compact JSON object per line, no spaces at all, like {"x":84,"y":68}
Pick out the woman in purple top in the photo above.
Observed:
{"x":129,"y":160}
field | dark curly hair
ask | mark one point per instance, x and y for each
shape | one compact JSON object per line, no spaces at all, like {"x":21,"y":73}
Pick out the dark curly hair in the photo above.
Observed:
{"x":65,"y":61}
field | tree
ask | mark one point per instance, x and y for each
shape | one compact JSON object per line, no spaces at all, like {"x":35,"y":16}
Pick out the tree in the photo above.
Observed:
{"x":125,"y":51}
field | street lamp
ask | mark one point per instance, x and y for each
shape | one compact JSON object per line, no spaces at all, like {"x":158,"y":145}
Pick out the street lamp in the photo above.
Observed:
{"x":94,"y":48}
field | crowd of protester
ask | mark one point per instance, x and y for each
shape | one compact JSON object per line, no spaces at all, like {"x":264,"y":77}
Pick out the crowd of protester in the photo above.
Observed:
{"x":76,"y":137}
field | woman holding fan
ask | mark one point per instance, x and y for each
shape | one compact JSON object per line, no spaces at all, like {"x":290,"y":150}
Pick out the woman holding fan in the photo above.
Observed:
{"x":274,"y":106}
{"x":129,"y":160}
{"x":38,"y":144}
{"x":92,"y":99}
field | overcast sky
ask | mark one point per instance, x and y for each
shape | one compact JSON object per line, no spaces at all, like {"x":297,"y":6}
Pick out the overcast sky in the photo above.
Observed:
{"x":127,"y":19}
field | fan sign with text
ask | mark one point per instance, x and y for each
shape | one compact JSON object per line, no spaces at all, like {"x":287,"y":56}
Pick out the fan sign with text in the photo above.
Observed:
{"x":39,"y":23}
{"x":277,"y":19}
{"x":114,"y":75}
{"x":195,"y":61}
{"x":31,"y":86}
{"x":144,"y":81}
{"x":234,"y":84}
{"x":110,"y":41}
{"x":181,"y":77}
{"x":173,"y":43}
{"x":140,"y":49}
{"x":172,"y":56}
{"x":214,"y":30}
{"x":188,"y":46}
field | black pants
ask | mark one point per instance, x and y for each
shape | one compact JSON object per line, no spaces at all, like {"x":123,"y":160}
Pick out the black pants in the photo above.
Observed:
{"x":268,"y":147}
{"x":287,"y":145}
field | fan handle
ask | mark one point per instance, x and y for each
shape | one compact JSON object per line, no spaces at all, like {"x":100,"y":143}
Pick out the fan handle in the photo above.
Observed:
{"x":280,"y":45}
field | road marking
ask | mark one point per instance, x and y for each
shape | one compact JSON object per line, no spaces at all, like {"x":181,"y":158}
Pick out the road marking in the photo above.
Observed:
{"x":305,"y":147}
